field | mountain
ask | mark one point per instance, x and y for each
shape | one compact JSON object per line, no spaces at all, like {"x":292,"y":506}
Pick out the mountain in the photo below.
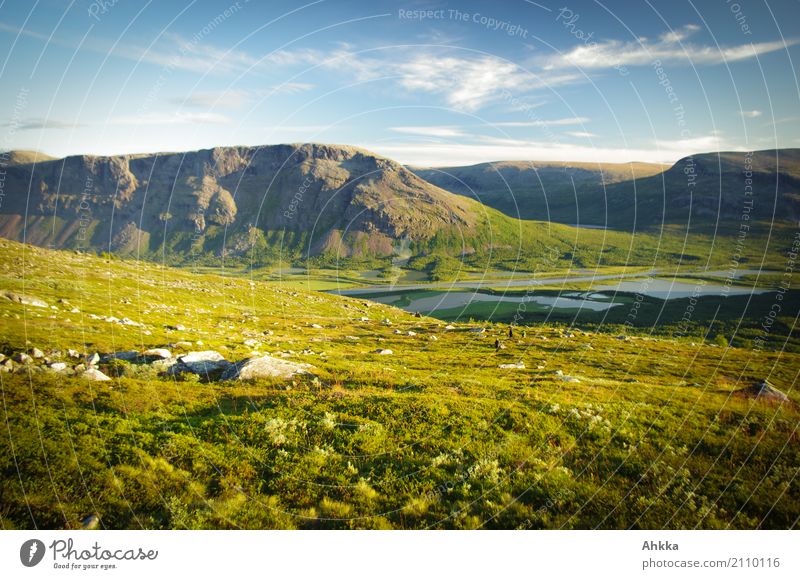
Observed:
{"x":706,"y":190}
{"x":524,"y":189}
{"x":309,"y":198}
{"x":337,"y":206}
{"x":21,"y":157}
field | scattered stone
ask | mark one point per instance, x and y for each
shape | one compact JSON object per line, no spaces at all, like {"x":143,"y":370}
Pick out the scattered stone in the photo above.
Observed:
{"x":92,"y":359}
{"x":182,"y":345}
{"x":204,"y":362}
{"x":163,"y":364}
{"x":517,"y":366}
{"x":363,"y":319}
{"x":763,"y":391}
{"x":411,"y":333}
{"x":384,"y":352}
{"x":176,"y":328}
{"x":36,"y":353}
{"x":398,"y":332}
{"x":623,"y":337}
{"x":316,"y":326}
{"x":432,"y":338}
{"x":23,"y":358}
{"x":352,"y":338}
{"x":569,"y":379}
{"x":95,"y":375}
{"x":58,"y":366}
{"x":264,"y":367}
{"x":73,"y":354}
{"x":126,"y":355}
{"x":559,"y":372}
{"x":449,"y":327}
{"x":386,"y":322}
{"x":251,"y":343}
{"x":161,"y":353}
{"x":90,"y":523}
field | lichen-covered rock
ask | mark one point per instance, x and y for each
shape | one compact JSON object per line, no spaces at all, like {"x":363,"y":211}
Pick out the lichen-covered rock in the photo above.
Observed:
{"x":265,"y":367}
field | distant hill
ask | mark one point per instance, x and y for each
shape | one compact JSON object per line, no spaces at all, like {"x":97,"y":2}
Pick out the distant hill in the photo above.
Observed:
{"x":705,"y":190}
{"x":21,"y":157}
{"x":525,"y":189}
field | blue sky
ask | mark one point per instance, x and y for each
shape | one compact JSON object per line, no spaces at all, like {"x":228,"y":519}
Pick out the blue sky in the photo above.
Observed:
{"x":423,"y":82}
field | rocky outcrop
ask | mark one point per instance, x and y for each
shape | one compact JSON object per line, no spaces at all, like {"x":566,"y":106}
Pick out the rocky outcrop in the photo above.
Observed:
{"x":762,"y":391}
{"x":264,"y":367}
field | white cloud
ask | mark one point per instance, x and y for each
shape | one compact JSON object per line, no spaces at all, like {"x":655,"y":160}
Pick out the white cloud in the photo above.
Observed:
{"x":668,"y":48}
{"x":179,"y":118}
{"x":237,"y":98}
{"x":580,"y":134}
{"x":433,"y":131}
{"x":750,"y":114}
{"x":465,"y":83}
{"x":216,"y":99}
{"x":495,"y":149}
{"x":544,"y":122}
{"x":34,"y":124}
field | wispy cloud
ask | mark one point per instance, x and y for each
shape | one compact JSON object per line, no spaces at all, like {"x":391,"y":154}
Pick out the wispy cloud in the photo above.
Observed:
{"x":449,"y":154}
{"x":433,"y":131}
{"x":671,"y":47}
{"x":750,"y":114}
{"x":580,"y":134}
{"x":465,"y":83}
{"x":545,"y":122}
{"x":237,"y":98}
{"x":34,"y":124}
{"x":180,"y":118}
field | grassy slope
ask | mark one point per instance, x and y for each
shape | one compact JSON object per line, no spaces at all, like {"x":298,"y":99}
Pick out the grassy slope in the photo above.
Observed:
{"x":432,"y":436}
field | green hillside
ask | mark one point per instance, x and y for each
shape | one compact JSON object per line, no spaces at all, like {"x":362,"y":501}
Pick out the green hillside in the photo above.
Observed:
{"x":399,"y":422}
{"x":702,"y":193}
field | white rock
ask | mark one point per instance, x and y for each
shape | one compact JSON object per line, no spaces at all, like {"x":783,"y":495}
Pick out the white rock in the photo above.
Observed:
{"x":95,"y":375}
{"x":58,"y":366}
{"x":162,"y":353}
{"x":264,"y":367}
{"x":202,"y":362}
{"x":384,"y":352}
{"x":517,"y":366}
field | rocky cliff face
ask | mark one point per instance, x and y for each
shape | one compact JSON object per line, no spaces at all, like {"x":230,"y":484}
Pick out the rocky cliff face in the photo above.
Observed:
{"x":321,"y":198}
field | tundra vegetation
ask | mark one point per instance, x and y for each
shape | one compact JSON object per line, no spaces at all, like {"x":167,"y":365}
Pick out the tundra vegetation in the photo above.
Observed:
{"x":390,"y":421}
